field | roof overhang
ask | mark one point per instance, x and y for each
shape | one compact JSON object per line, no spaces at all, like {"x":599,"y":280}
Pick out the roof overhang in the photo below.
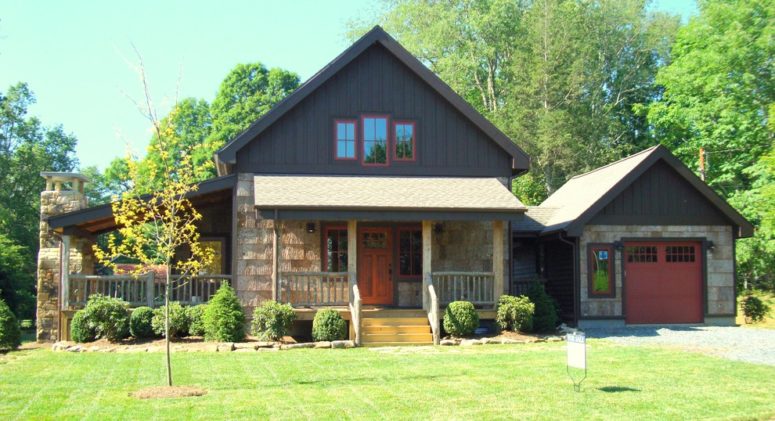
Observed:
{"x":385,"y":198}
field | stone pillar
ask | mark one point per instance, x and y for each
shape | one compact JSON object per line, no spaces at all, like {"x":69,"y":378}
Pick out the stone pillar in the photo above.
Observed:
{"x":63,"y":194}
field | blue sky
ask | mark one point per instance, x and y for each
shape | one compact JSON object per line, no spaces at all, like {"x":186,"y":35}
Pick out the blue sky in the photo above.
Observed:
{"x":78,"y":59}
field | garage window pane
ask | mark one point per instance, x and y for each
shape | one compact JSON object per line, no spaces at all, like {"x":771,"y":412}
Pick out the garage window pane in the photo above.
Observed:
{"x":679,"y":254}
{"x":642,"y":254}
{"x":601,"y":270}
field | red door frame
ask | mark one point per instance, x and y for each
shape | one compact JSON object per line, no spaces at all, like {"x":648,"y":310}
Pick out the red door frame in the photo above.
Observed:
{"x":682,"y":299}
{"x":375,"y":268}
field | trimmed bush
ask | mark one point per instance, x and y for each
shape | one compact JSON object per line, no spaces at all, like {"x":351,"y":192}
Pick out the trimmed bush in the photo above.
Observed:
{"x":545,"y":318}
{"x":195,"y":318}
{"x":272,"y":320}
{"x":460,"y":319}
{"x":80,"y":330}
{"x":141,"y":323}
{"x":328,"y":325}
{"x":223,"y":318}
{"x":103,"y":317}
{"x":515,"y":313}
{"x":754,"y":308}
{"x":10,"y":336}
{"x":178,"y":321}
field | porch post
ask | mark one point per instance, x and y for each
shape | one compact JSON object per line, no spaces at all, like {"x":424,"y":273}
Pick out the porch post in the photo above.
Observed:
{"x":427,"y":255}
{"x":65,"y":272}
{"x":352,"y":254}
{"x":497,"y":258}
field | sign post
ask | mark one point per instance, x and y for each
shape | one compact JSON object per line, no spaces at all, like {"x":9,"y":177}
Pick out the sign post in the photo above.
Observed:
{"x":577,"y":358}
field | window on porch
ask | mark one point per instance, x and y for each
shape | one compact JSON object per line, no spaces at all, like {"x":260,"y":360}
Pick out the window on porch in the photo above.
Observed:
{"x":410,"y":252}
{"x":336,"y":249}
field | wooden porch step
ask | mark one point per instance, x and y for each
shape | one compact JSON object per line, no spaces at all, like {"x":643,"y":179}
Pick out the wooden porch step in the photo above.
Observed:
{"x":394,"y":321}
{"x":426,"y":338}
{"x":392,"y":313}
{"x":399,"y":329}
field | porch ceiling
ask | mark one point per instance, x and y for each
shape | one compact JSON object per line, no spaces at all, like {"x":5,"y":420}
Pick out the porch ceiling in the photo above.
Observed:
{"x":405,"y":194}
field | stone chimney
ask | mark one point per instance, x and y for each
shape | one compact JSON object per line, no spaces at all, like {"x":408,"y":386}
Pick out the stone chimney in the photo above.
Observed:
{"x":63,"y":194}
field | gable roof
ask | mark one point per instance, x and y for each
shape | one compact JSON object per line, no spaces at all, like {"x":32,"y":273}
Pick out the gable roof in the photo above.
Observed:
{"x":583,"y":196}
{"x":228,"y":153}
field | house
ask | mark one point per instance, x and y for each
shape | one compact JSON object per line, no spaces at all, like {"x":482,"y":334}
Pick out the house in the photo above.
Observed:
{"x":376,"y":190}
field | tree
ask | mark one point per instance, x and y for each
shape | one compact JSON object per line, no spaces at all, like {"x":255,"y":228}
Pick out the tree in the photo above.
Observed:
{"x":27,"y":147}
{"x":248,"y":92}
{"x":153,"y":228}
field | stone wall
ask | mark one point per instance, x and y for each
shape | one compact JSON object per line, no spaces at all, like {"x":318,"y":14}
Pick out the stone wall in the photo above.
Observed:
{"x":52,"y":203}
{"x":720,"y":264}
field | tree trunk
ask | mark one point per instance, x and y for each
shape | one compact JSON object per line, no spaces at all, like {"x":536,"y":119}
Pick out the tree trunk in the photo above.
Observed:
{"x":167,"y":324}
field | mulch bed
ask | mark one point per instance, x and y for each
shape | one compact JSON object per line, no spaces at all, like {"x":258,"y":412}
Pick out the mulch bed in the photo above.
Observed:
{"x":163,"y":392}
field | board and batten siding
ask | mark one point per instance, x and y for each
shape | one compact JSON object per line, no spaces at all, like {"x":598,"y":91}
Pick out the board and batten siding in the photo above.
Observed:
{"x":660,"y":196}
{"x":301,"y":141}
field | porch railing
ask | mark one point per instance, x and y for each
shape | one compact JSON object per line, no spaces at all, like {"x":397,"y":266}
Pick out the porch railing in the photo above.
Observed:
{"x":476,"y":287}
{"x":144,"y":290}
{"x":314,"y":288}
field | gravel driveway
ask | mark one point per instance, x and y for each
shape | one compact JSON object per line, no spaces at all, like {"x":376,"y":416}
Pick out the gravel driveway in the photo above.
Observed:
{"x":735,"y":343}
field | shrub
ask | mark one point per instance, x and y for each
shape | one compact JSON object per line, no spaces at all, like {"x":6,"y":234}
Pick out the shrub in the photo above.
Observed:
{"x":195,"y":318}
{"x":103,"y":317}
{"x":272,"y":320}
{"x":178,"y":321}
{"x":328,"y":325}
{"x":10,"y":336}
{"x":80,"y":330}
{"x":515,"y":313}
{"x":545,"y":318}
{"x":460,"y":319}
{"x":223,"y":318}
{"x":141,"y":323}
{"x":754,"y":308}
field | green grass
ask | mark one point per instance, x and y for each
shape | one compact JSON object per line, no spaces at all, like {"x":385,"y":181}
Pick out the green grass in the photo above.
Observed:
{"x":487,"y":382}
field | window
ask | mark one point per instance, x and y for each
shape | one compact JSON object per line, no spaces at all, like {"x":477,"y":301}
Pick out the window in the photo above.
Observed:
{"x":410,"y":252}
{"x":216,"y":266}
{"x":344,"y":138}
{"x":679,"y":254}
{"x":405,"y":140}
{"x":600,"y":270}
{"x":375,"y":140}
{"x":374,"y":240}
{"x":642,"y":254}
{"x":336,"y":249}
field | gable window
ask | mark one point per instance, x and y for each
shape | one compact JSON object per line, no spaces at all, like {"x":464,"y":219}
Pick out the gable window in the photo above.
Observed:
{"x":375,"y":140}
{"x":344,"y":138}
{"x":404,"y":132}
{"x":410,"y":252}
{"x":600,"y":270}
{"x":335,"y":259}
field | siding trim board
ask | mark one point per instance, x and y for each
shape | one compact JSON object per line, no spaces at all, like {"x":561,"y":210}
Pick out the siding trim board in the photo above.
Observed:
{"x":227,"y":155}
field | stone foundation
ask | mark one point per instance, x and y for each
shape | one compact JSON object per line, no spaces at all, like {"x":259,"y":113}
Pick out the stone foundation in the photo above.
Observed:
{"x":719,"y":264}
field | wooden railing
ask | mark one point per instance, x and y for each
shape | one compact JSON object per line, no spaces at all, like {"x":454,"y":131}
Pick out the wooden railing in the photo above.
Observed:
{"x":476,"y":287}
{"x":309,"y":289}
{"x":143,"y":290}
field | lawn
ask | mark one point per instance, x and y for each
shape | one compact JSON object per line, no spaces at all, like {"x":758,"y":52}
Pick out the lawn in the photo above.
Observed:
{"x":486,"y":382}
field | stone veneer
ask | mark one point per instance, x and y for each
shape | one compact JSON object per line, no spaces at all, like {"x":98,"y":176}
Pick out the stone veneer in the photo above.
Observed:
{"x":461,"y":246}
{"x":56,"y":202}
{"x":719,"y":263}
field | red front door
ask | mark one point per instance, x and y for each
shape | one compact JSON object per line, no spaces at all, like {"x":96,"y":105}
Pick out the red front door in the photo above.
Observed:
{"x":375,"y":277}
{"x":663,"y":282}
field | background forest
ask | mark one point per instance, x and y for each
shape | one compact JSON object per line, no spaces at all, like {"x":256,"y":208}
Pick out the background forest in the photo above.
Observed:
{"x":575,"y":83}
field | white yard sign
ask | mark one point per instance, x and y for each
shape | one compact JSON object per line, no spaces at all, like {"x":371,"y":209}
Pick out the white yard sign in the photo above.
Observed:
{"x":577,"y":350}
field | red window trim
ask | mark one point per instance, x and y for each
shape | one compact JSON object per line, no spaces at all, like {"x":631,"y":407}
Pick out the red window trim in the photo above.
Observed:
{"x":324,"y":248}
{"x":354,"y":121}
{"x":398,"y":250}
{"x":414,"y":140}
{"x":387,"y":140}
{"x":611,"y":293}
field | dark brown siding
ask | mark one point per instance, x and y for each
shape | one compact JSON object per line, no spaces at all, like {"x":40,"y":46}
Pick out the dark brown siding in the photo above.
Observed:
{"x":524,"y":267}
{"x":558,"y":271}
{"x":660,"y":197}
{"x":374,"y":83}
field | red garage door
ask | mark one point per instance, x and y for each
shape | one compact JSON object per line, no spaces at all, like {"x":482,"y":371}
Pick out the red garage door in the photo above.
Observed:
{"x":663,"y":282}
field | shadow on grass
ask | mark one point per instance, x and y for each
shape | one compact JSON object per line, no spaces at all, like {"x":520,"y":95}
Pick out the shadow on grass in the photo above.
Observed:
{"x":617,"y":389}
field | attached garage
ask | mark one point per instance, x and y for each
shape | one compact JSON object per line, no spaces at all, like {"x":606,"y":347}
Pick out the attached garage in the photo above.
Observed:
{"x":663,"y":282}
{"x":647,"y":240}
